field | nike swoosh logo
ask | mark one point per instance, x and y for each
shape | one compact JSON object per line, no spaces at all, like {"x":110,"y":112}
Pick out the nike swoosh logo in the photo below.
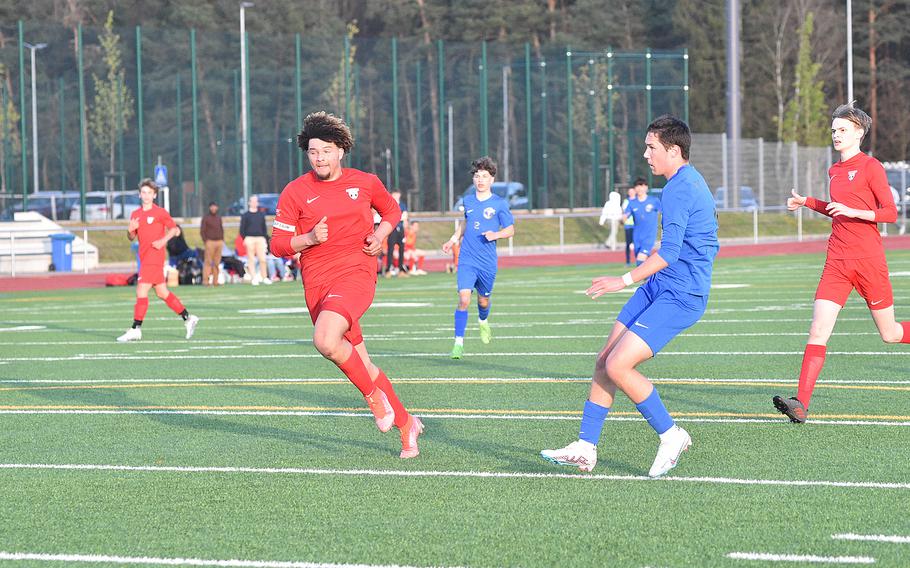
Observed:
{"x":333,"y":296}
{"x":470,"y":210}
{"x":308,"y":201}
{"x":876,"y":303}
{"x":641,"y":325}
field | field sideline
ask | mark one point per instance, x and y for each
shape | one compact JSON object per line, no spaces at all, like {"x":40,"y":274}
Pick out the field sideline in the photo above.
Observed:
{"x":243,"y":447}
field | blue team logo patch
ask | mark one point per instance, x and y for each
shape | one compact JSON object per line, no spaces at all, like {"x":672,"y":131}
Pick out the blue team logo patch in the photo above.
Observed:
{"x":489,"y":212}
{"x":353,"y":192}
{"x":649,"y":208}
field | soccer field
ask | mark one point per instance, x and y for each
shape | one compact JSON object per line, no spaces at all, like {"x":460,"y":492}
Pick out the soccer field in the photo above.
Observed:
{"x":245,"y":445}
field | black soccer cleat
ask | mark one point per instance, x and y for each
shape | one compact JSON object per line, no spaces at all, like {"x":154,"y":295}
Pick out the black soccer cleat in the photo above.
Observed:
{"x":792,"y":407}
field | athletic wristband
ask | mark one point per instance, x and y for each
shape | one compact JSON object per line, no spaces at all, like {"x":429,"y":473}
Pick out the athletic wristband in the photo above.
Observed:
{"x":453,"y":239}
{"x":627,"y":279}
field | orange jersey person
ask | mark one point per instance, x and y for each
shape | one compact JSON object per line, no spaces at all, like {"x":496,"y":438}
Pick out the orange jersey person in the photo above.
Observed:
{"x":326,"y":216}
{"x":154,"y":227}
{"x":413,"y":256}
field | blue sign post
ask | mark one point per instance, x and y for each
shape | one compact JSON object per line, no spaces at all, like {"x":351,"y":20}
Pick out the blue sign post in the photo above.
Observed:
{"x":161,"y":176}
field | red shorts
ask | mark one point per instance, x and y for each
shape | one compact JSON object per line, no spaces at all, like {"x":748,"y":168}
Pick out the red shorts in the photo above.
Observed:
{"x":868,"y":275}
{"x":350,"y":296}
{"x":151,"y":273}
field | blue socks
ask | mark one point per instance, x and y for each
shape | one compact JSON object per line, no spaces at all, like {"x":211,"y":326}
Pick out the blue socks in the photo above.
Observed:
{"x":592,"y":422}
{"x":461,"y":322}
{"x":654,"y":411}
{"x":483,"y":313}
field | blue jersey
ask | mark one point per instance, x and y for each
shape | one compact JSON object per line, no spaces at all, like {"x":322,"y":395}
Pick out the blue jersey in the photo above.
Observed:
{"x":645,"y":215}
{"x":492,"y":214}
{"x":689,"y":243}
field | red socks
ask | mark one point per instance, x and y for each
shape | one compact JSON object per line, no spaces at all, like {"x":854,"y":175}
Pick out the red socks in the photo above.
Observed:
{"x":357,"y":373}
{"x":813,"y":361}
{"x":401,"y":415}
{"x":906,"y":337}
{"x":173,"y":302}
{"x":140,"y":309}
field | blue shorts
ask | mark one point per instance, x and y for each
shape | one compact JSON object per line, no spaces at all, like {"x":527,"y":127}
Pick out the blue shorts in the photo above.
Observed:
{"x":473,"y":278}
{"x":657,"y":316}
{"x":644,"y":246}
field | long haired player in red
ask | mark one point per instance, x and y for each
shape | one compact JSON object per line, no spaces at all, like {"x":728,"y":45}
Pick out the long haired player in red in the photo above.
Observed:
{"x":154,"y":227}
{"x":860,"y":198}
{"x":326,"y":216}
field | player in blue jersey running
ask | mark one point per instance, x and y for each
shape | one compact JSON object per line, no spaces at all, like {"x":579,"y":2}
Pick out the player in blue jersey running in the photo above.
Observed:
{"x":486,"y":219}
{"x":673,"y":298}
{"x":643,"y":210}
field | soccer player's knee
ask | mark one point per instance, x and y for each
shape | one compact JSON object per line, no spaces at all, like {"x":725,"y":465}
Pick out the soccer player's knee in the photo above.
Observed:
{"x":462,"y":303}
{"x":615,"y":368}
{"x":326,"y":344}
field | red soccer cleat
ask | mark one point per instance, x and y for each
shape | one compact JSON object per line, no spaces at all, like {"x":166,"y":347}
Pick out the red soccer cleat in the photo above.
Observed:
{"x":409,"y":434}
{"x":381,"y":409}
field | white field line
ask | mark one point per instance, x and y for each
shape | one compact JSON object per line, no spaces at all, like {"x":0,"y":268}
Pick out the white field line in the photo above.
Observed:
{"x":435,"y":416}
{"x":405,"y":336}
{"x":227,"y":380}
{"x":802,"y":558}
{"x":456,"y":474}
{"x":873,"y":538}
{"x":146,"y":560}
{"x":134,"y":357}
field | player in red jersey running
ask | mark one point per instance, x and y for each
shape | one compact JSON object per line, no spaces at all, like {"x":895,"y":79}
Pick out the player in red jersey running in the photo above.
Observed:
{"x":860,"y":198}
{"x":154,"y":227}
{"x":326,"y":216}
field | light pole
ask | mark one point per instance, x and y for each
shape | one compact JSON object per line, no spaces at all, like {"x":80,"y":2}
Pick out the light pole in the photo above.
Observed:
{"x":33,"y":48}
{"x":244,"y":141}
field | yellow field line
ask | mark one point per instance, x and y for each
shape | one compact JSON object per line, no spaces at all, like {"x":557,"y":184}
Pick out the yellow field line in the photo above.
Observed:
{"x":488,"y":411}
{"x":434,"y":382}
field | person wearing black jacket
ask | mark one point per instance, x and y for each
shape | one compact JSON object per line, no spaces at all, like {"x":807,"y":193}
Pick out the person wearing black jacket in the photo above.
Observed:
{"x":255,"y":238}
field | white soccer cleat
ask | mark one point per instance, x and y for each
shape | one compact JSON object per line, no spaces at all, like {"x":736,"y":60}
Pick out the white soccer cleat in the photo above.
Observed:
{"x":132,"y":334}
{"x":191,"y":325}
{"x":579,"y":453}
{"x":673,"y":442}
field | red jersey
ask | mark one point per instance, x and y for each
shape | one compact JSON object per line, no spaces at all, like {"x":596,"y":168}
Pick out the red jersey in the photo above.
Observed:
{"x":153,"y":225}
{"x":347,"y":204}
{"x":858,"y":183}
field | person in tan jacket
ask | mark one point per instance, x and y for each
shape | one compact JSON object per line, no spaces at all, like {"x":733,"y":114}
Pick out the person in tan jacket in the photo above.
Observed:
{"x":211,"y":230}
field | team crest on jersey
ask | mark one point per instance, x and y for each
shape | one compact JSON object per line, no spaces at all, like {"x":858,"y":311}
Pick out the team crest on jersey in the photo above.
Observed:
{"x":149,"y":220}
{"x":353,"y":192}
{"x":649,"y":208}
{"x":851,"y":174}
{"x":488,"y":213}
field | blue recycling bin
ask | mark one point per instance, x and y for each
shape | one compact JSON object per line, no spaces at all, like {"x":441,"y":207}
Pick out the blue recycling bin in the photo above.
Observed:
{"x":62,"y":251}
{"x":135,"y":248}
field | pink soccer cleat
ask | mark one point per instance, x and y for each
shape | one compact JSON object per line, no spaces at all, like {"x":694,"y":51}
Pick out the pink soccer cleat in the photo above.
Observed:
{"x":381,"y":409}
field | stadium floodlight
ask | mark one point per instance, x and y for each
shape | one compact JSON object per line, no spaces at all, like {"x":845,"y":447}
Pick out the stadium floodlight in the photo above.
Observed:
{"x":33,"y":48}
{"x":244,"y":136}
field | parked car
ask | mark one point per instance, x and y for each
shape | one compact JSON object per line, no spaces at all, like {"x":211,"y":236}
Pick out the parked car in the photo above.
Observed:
{"x":101,"y":205}
{"x":267,"y":201}
{"x":511,"y":191}
{"x":54,"y":205}
{"x":746,"y":198}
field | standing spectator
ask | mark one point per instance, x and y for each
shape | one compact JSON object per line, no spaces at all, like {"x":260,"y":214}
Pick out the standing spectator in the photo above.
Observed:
{"x":629,"y":226}
{"x":397,"y":238}
{"x":211,"y":229}
{"x":612,"y":212}
{"x":255,"y":239}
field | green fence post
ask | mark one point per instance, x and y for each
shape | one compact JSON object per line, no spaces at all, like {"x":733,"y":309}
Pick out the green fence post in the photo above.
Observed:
{"x":22,"y":132}
{"x":298,"y":103}
{"x":440,"y":55}
{"x":648,"y":101}
{"x":179,"y":171}
{"x":248,"y":174}
{"x":610,"y":132}
{"x":484,"y":110}
{"x":545,"y":186}
{"x":419,"y":179}
{"x":355,"y":156}
{"x":82,"y":141}
{"x":347,"y":85}
{"x":196,"y":190}
{"x":528,"y":145}
{"x":686,"y":85}
{"x":140,"y":125}
{"x":394,"y":114}
{"x":62,"y":118}
{"x":570,"y":127}
{"x":592,"y":125}
{"x":238,"y":158}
